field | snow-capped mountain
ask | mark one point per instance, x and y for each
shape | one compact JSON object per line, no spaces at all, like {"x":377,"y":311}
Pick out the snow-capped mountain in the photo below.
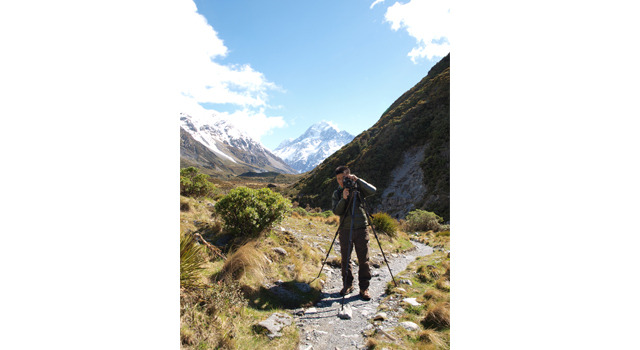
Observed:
{"x":231,"y":144}
{"x":316,"y":144}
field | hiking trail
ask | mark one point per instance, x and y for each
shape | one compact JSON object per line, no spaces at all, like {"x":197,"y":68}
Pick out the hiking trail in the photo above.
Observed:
{"x":320,"y":327}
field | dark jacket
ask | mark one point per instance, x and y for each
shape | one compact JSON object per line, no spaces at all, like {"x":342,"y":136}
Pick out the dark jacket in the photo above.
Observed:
{"x":339,"y":206}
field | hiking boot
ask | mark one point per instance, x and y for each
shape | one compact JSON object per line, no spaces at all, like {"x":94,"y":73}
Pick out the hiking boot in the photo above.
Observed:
{"x":364,"y":294}
{"x":346,"y":291}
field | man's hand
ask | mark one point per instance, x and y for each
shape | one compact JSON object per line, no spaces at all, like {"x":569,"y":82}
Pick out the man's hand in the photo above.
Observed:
{"x":345,"y":193}
{"x":352,"y":177}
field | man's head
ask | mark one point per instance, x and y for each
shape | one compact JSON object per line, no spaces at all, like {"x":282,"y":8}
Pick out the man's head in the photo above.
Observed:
{"x":341,"y":171}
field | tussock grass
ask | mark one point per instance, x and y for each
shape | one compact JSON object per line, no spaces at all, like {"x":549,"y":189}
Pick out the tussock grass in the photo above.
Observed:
{"x":247,"y":260}
{"x":372,"y":343}
{"x":434,"y":337}
{"x":433,"y":294}
{"x":443,"y":284}
{"x":437,"y":315}
{"x":332,"y":220}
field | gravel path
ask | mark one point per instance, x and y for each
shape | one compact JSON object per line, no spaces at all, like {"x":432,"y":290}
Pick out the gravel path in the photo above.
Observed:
{"x":320,"y":327}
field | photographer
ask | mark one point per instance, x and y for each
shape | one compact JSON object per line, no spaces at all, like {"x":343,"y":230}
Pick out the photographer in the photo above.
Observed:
{"x":342,"y":206}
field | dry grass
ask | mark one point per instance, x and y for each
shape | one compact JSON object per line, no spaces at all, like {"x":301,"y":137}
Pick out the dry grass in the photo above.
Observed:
{"x":198,"y":214}
{"x":443,"y":284}
{"x":205,"y":320}
{"x":247,"y":260}
{"x":447,"y":272}
{"x":434,"y":337}
{"x":433,"y":294}
{"x":437,"y":315}
{"x":371,"y":344}
{"x":332,"y":220}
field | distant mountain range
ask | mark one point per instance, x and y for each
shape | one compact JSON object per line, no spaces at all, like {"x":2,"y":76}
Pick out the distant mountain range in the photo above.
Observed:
{"x":219,"y":148}
{"x":311,"y":148}
{"x":405,"y":154}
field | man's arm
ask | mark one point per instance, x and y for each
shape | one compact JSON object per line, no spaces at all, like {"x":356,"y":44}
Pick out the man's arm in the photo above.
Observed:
{"x":366,"y":188}
{"x":338,"y":204}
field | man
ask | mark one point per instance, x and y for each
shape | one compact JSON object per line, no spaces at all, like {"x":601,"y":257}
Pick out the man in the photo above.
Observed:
{"x":342,"y":206}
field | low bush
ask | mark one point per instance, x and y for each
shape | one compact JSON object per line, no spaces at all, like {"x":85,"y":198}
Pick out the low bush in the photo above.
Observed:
{"x":247,"y":212}
{"x":422,"y":220}
{"x":194,"y":184}
{"x":299,"y":211}
{"x":384,"y":223}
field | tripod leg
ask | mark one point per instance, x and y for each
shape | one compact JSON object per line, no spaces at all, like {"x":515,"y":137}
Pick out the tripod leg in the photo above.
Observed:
{"x":329,"y":251}
{"x":348,"y":260}
{"x":326,"y":257}
{"x":366,"y":210}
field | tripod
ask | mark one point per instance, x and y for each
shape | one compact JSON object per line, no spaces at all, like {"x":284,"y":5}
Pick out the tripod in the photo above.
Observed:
{"x":352,"y":202}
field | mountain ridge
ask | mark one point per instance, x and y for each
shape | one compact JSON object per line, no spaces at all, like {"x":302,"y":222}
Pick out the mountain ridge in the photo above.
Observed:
{"x":228,"y":146}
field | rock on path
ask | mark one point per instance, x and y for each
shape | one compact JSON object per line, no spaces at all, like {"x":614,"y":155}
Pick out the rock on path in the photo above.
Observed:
{"x":322,"y":329}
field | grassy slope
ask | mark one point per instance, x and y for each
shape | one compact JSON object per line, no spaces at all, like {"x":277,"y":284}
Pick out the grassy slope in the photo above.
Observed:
{"x":208,"y":323}
{"x":418,"y":117}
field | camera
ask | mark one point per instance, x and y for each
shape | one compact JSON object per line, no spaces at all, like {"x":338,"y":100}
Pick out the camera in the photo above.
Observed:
{"x":348,"y":183}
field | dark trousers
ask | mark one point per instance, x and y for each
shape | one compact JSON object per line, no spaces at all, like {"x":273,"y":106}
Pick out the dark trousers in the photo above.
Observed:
{"x":360,"y":240}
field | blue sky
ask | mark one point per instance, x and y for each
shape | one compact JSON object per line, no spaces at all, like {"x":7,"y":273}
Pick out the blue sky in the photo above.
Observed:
{"x":339,"y":61}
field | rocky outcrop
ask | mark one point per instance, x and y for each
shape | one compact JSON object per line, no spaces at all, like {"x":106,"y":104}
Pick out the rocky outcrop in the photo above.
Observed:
{"x":406,"y":187}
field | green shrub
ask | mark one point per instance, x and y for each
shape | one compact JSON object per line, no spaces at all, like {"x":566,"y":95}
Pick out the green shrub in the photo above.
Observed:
{"x":191,"y":259}
{"x":247,"y":212}
{"x":327,"y":214}
{"x":300,"y":211}
{"x":385,"y":224}
{"x":422,"y":220}
{"x":194,"y":184}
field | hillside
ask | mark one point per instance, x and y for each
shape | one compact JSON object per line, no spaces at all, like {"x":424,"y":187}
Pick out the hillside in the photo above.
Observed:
{"x":194,"y":153}
{"x":405,"y":154}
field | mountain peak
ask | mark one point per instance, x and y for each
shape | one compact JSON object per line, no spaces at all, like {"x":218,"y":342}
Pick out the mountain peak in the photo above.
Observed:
{"x":323,"y":125}
{"x":318,"y":142}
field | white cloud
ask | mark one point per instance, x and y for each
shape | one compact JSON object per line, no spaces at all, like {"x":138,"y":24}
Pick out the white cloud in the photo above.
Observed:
{"x":204,"y":80}
{"x":425,"y":20}
{"x":375,"y":3}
